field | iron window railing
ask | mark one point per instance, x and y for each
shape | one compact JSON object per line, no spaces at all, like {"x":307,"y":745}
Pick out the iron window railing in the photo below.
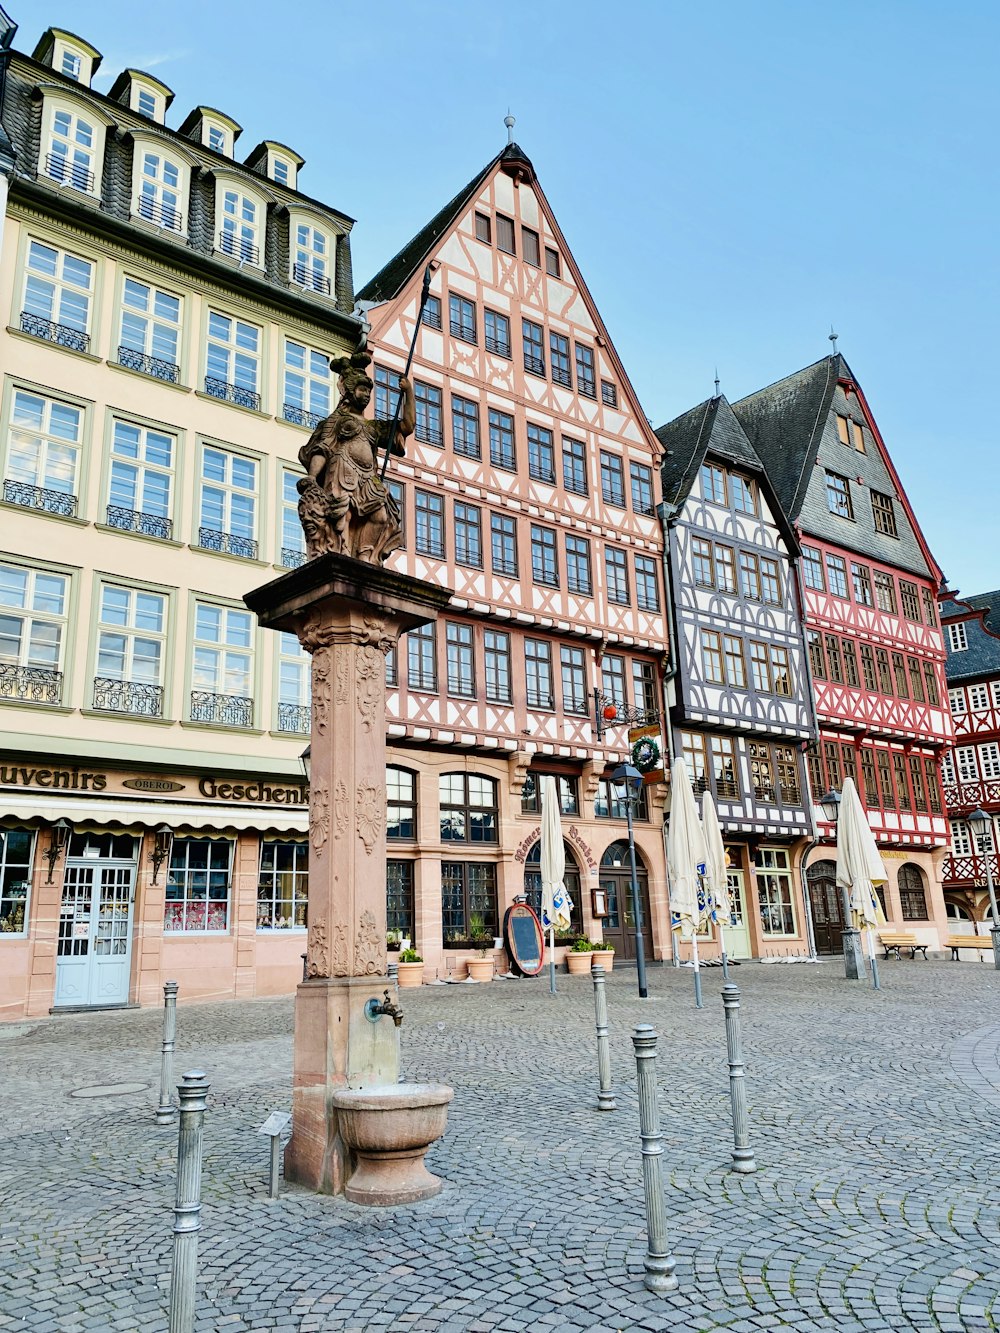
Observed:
{"x":467,"y":332}
{"x":501,"y":348}
{"x":228,"y":710}
{"x":535,"y":365}
{"x":429,"y":434}
{"x":232,"y":393}
{"x":586,"y":385}
{"x":561,"y":376}
{"x":298,"y":416}
{"x":432,"y":318}
{"x":133,"y":520}
{"x":160,"y":214}
{"x":292,"y":558}
{"x":313,"y":278}
{"x":40,"y":497}
{"x":128,"y":696}
{"x":61,"y":169}
{"x":154,"y":366}
{"x":61,"y":334}
{"x":37,"y":685}
{"x":239,"y":247}
{"x":294,"y":717}
{"x":211,"y":539}
{"x":609,"y":394}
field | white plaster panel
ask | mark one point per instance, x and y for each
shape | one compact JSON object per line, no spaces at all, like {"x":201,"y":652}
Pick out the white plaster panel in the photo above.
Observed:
{"x":460,"y":283}
{"x":454,"y":254}
{"x":482,"y":259}
{"x":432,"y":345}
{"x":503,"y":192}
{"x":529,"y":206}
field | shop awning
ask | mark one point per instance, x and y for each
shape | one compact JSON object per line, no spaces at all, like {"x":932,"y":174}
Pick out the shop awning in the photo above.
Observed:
{"x":147,"y":814}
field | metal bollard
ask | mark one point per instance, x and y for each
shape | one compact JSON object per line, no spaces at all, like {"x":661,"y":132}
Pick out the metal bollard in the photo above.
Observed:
{"x":605,"y":1095}
{"x":659,"y":1262}
{"x":743,"y":1158}
{"x":166,"y":1111}
{"x":193,"y":1094}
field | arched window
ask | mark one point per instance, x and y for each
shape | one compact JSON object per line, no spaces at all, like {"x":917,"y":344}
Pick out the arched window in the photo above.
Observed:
{"x":72,"y":157}
{"x":160,"y":189}
{"x":616,"y":856}
{"x":912,"y":892}
{"x":401,"y":803}
{"x":571,"y":878}
{"x":312,"y":256}
{"x":239,"y":220}
{"x":468,"y":808}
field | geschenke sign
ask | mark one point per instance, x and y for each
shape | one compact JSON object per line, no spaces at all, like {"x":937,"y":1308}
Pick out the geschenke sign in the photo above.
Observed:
{"x":71,"y":777}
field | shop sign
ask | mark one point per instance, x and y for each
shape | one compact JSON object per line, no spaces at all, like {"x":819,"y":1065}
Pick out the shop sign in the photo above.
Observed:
{"x":154,"y":785}
{"x":73,"y":778}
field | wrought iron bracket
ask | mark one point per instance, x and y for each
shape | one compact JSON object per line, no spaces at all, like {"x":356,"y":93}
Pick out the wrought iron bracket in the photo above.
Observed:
{"x":624,"y":715}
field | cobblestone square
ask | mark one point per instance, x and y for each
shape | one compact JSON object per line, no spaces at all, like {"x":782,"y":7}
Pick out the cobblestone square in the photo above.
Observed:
{"x":873,"y":1116}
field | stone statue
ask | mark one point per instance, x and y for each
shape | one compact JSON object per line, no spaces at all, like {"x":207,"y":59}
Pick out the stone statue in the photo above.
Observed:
{"x":344,"y":506}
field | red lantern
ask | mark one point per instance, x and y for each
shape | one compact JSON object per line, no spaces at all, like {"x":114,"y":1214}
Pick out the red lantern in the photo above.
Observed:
{"x":610,"y":712}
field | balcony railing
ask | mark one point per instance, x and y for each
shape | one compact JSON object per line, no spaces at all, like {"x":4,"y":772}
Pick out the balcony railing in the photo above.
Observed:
{"x":969,"y":869}
{"x":561,"y":376}
{"x":312,"y":278}
{"x":298,"y":416}
{"x":134,"y":520}
{"x":539,"y":699}
{"x":959,"y":796}
{"x":540,"y":472}
{"x":467,"y":332}
{"x":294,"y":717}
{"x":227,"y":710}
{"x":640,"y":506}
{"x":36,"y":685}
{"x":500,"y":348}
{"x":292,"y":558}
{"x":232,"y":393}
{"x":613,"y":496}
{"x":162,"y":215}
{"x":168,"y":371}
{"x":609,"y":394}
{"x":61,"y":334}
{"x":61,"y":169}
{"x":535,"y":365}
{"x":428,"y":433}
{"x":239,"y":247}
{"x":40,"y":497}
{"x":587,"y":387}
{"x":211,"y":539}
{"x":128,"y":696}
{"x":432,"y":318}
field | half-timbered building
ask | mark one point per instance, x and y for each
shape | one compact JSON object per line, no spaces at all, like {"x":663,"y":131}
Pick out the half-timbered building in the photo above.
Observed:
{"x":530,"y":488}
{"x":741,"y":707}
{"x":971,"y":769}
{"x":875,"y":649}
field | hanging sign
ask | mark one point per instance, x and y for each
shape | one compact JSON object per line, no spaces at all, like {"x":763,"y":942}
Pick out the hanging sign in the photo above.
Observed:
{"x":522,"y":934}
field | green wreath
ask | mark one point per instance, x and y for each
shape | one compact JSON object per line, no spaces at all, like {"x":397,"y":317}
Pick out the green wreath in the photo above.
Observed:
{"x":646,"y":754}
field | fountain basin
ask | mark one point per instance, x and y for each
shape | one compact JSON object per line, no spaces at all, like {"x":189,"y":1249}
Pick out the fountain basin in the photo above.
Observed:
{"x":389,"y":1128}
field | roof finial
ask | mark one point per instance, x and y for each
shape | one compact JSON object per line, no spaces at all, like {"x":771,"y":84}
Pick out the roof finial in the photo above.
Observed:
{"x":833,"y":339}
{"x":716,"y":381}
{"x":508,"y":120}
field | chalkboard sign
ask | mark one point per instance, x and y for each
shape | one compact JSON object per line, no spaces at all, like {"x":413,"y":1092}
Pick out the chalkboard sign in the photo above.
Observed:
{"x":522,"y":933}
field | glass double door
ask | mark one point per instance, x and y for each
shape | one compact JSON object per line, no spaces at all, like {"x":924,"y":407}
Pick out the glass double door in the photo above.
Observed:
{"x":94,"y":952}
{"x":737,"y":932}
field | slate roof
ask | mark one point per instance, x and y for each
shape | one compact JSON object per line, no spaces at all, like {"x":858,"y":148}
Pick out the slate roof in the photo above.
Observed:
{"x":394,"y":275}
{"x":982,"y":657}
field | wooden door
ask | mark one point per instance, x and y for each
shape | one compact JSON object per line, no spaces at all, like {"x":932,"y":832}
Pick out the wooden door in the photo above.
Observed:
{"x":827,"y":904}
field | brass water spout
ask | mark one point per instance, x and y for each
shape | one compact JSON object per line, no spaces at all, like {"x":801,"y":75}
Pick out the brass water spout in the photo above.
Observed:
{"x":376,"y":1008}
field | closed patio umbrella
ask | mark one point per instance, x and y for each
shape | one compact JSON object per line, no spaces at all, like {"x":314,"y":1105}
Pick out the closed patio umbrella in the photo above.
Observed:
{"x":685,"y":854}
{"x":859,"y":867}
{"x":715,"y":872}
{"x":556,"y":904}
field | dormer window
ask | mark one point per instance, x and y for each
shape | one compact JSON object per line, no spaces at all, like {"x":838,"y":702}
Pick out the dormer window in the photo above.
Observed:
{"x":68,"y":55}
{"x":72,"y":144}
{"x":211,"y":128}
{"x":240,"y":217}
{"x":281,"y":170}
{"x":312,"y":265}
{"x":146,"y":103}
{"x":71,"y":64}
{"x":217,"y":139}
{"x":159,"y":195}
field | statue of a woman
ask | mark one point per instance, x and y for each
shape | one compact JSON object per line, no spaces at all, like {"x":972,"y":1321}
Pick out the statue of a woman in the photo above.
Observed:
{"x":344,"y":506}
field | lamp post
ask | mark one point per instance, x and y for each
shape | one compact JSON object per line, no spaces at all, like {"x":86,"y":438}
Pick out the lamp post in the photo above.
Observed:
{"x":982,"y":830}
{"x":629,"y":777}
{"x":854,"y":964}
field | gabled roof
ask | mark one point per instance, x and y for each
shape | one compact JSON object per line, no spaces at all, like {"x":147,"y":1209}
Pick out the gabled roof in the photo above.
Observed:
{"x":981,"y":657}
{"x":990,"y":603}
{"x":390,"y":280}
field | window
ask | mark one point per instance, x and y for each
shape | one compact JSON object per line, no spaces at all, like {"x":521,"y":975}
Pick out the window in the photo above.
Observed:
{"x":725,"y":772}
{"x":312,"y":260}
{"x":817,"y":658}
{"x":279,"y":170}
{"x":538,"y":670}
{"x":72,"y":158}
{"x":529,"y":247}
{"x":812,"y":569}
{"x":749,"y":576}
{"x":869,"y":785}
{"x":899,"y":674}
{"x":885,"y":780}
{"x":711,"y":657}
{"x":586,"y":381}
{"x":218,"y":140}
{"x":862,"y":580}
{"x":932,"y":778}
{"x":228,"y":503}
{"x":150,"y":331}
{"x":465,"y":427}
{"x":902,"y":788}
{"x":232,"y":365}
{"x":609,"y":394}
{"x":544,"y":568}
{"x":57,"y":290}
{"x":502,"y":440}
{"x":468,"y":535}
{"x":575,"y":466}
{"x":868,"y":668}
{"x":497,"y":333}
{"x":399,"y":915}
{"x":647,"y":593}
{"x":885,"y":592}
{"x":613,"y":678}
{"x":916,"y":679}
{"x":307,"y":385}
{"x":468,"y":808}
{"x":917,"y":783}
{"x":930,"y":606}
{"x":293,"y":547}
{"x":421,"y":659}
{"x":503,"y":539}
{"x":16,"y":848}
{"x":695,"y":755}
{"x":713,"y":483}
{"x":531,"y":798}
{"x":294,"y":680}
{"x":781,"y":675}
{"x":197,"y":892}
{"x":725,"y":568}
{"x":574,"y":681}
{"x":833,"y":658}
{"x":965,"y":758}
{"x":930,"y":685}
{"x":221,"y":676}
{"x":770,"y":581}
{"x":961,"y":842}
{"x":33,"y":608}
{"x":641,"y":479}
{"x":789,"y":787}
{"x":71,"y":65}
{"x":43,"y":454}
{"x":541,"y":454}
{"x":735,"y":667}
{"x":484,"y":231}
{"x":761,"y":772}
{"x":843,"y":429}
{"x":552,"y":267}
{"x":578,"y":565}
{"x":850,"y":662}
{"x":774,"y":891}
{"x":884,"y":677}
{"x":948,"y":768}
{"x":609,"y":803}
{"x":240,"y":234}
{"x":989,"y":760}
{"x":909,"y":601}
{"x":496,"y":654}
{"x":912,"y":897}
{"x":702,"y":564}
{"x":432,"y":318}
{"x":392,"y":667}
{"x":559,"y":351}
{"x":836,"y":572}
{"x":283,"y":886}
{"x":430,"y":524}
{"x":832,"y":752}
{"x":956,"y":701}
{"x":462,"y":318}
{"x":460,"y":660}
{"x":850,"y":432}
{"x":468,"y":901}
{"x":884,"y":514}
{"x":505,"y":234}
{"x":534,"y":347}
{"x":159,"y":198}
{"x":612,"y":479}
{"x":428,"y":406}
{"x":616,"y":575}
{"x":130,"y":651}
{"x":744,"y":495}
{"x":838,"y":495}
{"x":386,"y":393}
{"x":760,"y":667}
{"x":957,"y":640}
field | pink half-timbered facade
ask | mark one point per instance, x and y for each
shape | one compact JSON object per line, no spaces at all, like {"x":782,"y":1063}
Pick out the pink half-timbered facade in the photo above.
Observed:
{"x":530,"y":487}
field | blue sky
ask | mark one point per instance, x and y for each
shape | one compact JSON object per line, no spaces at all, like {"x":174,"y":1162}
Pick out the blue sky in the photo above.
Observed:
{"x":732,"y":178}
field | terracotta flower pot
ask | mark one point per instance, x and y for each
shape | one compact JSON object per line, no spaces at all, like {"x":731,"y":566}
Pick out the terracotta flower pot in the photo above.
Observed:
{"x":481,"y":969}
{"x":578,"y":964}
{"x":603,"y":958}
{"x":410,"y":975}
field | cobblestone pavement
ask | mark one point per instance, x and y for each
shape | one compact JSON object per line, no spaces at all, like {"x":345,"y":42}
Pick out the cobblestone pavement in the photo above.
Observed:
{"x":874,"y":1120}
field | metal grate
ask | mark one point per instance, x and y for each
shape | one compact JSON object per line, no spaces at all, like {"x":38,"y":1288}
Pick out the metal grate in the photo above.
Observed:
{"x":211,"y":539}
{"x":39,"y":497}
{"x":294,"y":717}
{"x":61,"y":169}
{"x":560,"y":376}
{"x":228,"y":710}
{"x":128,"y":696}
{"x":429,"y":434}
{"x":232,"y":393}
{"x":291,"y":558}
{"x":155,"y":366}
{"x":501,"y":348}
{"x":239,"y":247}
{"x":312,"y":278}
{"x":162,"y":215}
{"x":298,"y":416}
{"x":61,"y":334}
{"x":534,"y":364}
{"x":466,"y":332}
{"x":133,"y":520}
{"x":35,"y":685}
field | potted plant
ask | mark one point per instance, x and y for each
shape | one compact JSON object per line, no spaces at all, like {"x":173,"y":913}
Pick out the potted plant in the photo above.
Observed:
{"x":411,"y":969}
{"x":393,"y":940}
{"x":578,"y":958}
{"x":603,"y":955}
{"x":480,"y":967}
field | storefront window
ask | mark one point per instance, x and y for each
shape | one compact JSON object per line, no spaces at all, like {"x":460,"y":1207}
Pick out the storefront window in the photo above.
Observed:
{"x":399,"y":898}
{"x":15,"y":879}
{"x":468,"y":902}
{"x":401,"y":803}
{"x":283,"y":886}
{"x":531,"y":796}
{"x":198,"y":885}
{"x":774,"y":891}
{"x":468,"y":808}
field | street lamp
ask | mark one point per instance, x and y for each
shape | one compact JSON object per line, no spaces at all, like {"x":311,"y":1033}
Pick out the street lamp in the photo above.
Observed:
{"x":982,"y":830}
{"x":629,"y":777}
{"x":305,"y":759}
{"x":854,"y":967}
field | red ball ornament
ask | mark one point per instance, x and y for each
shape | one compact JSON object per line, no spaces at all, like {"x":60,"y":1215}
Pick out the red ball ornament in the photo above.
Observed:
{"x":610,"y":712}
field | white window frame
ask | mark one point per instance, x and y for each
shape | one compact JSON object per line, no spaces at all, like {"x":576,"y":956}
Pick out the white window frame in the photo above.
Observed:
{"x":235,"y":499}
{"x":312,"y":266}
{"x":291,"y":538}
{"x":956,"y":701}
{"x":223,"y":659}
{"x":61,"y":48}
{"x":131,"y":632}
{"x":958,"y":640}
{"x":157,"y":323}
{"x":966,"y":763}
{"x":307,"y":392}
{"x":961,"y":837}
{"x":63,"y":295}
{"x":215,"y":129}
{"x":149,"y":475}
{"x":989,"y":761}
{"x":34,"y":617}
{"x":979,"y":698}
{"x":137,"y":88}
{"x":98,"y":124}
{"x":47,"y":443}
{"x":232,"y":196}
{"x":238,"y":355}
{"x":294,"y":678}
{"x":151,"y":145}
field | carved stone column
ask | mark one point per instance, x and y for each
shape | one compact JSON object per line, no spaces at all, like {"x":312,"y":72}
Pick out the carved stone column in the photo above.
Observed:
{"x":348,"y":615}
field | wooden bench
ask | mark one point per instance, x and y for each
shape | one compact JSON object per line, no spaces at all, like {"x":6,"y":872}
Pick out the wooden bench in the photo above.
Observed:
{"x":956,"y":942}
{"x":893,"y":943}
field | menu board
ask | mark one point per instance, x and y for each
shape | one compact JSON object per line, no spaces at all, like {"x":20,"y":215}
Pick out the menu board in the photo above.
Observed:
{"x":522,"y":933}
